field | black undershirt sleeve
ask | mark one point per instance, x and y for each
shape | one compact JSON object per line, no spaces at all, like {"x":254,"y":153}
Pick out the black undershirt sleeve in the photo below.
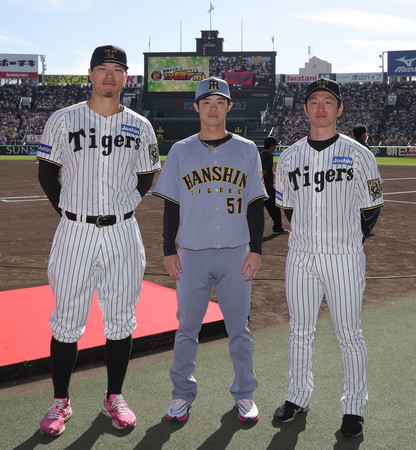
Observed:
{"x":369,"y":218}
{"x":144,"y":182}
{"x":170,"y":227}
{"x":48,"y":175}
{"x":288,"y":214}
{"x":255,"y":219}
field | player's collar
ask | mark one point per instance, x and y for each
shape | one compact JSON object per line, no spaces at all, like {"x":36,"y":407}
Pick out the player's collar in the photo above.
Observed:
{"x":210,"y":144}
{"x":120,"y":109}
{"x":322,"y":145}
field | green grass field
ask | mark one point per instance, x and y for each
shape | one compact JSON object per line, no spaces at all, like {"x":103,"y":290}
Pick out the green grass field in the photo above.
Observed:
{"x":389,"y":422}
{"x":387,"y":161}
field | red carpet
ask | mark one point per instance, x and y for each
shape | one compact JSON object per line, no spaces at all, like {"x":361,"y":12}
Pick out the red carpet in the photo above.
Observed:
{"x":25,"y":334}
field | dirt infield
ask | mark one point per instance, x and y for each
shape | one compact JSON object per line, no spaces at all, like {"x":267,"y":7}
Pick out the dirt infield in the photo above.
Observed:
{"x":28,"y":222}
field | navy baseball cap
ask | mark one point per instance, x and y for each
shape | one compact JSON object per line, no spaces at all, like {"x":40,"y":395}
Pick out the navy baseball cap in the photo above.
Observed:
{"x":108,"y":53}
{"x":212,"y":86}
{"x":323,"y":84}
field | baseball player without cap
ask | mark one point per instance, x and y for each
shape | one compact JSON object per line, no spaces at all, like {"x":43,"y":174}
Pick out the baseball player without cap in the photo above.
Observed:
{"x":108,"y":53}
{"x":212,"y":86}
{"x":323,"y":84}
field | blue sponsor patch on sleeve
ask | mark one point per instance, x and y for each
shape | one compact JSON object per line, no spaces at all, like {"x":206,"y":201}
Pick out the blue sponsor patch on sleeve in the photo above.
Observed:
{"x":45,"y":148}
{"x":130,"y":129}
{"x":342,"y":160}
{"x":279,"y":196}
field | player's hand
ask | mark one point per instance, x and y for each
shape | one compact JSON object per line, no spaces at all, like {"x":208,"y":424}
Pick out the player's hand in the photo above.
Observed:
{"x":173,"y":266}
{"x":252,"y":263}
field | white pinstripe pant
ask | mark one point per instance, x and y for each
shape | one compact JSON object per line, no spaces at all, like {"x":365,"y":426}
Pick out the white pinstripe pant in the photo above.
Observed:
{"x":85,"y":258}
{"x":341,"y":278}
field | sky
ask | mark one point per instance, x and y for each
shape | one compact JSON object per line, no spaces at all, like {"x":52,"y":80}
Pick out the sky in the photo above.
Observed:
{"x":351,"y":36}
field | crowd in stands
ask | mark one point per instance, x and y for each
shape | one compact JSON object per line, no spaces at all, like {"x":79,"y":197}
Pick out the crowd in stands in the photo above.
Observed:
{"x":388,"y":110}
{"x":259,"y":66}
{"x":18,"y":119}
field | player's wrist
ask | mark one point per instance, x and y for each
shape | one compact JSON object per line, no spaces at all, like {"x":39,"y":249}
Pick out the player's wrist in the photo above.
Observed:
{"x":169,"y":252}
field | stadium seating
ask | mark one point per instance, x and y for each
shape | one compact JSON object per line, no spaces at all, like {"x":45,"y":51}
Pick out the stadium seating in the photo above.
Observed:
{"x":388,"y":110}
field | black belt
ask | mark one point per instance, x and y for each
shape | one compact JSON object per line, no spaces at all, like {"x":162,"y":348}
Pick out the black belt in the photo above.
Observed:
{"x":99,"y":221}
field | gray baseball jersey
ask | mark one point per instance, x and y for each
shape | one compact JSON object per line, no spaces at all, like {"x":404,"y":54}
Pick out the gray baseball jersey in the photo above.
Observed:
{"x":212,"y":190}
{"x":99,"y":159}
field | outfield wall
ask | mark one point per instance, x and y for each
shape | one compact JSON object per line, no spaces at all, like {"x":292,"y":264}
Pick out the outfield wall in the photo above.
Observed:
{"x":393,"y":151}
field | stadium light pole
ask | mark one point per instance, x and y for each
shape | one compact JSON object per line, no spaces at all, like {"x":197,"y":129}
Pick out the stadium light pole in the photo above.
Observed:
{"x":241,"y":32}
{"x":180,"y":36}
{"x":382,"y":63}
{"x":43,"y":60}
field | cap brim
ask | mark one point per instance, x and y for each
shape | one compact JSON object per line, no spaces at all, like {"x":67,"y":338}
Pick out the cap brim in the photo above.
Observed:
{"x":319,"y":89}
{"x":207,"y":94}
{"x":111,"y":61}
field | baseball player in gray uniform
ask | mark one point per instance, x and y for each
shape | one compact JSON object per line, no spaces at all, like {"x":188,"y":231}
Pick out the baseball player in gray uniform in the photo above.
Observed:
{"x":212,"y":186}
{"x":330,"y":189}
{"x":97,"y":160}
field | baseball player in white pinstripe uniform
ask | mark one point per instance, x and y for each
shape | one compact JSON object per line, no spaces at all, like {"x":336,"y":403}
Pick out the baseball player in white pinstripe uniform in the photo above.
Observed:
{"x":213,"y":191}
{"x":96,"y":162}
{"x":330,"y":189}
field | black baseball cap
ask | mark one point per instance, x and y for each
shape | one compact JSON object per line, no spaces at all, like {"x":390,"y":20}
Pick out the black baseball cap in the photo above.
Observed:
{"x":323,"y":84}
{"x":270,"y":141}
{"x":108,"y":53}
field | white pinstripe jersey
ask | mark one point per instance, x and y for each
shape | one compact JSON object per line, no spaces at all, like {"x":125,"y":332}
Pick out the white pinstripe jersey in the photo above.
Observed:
{"x":99,"y":157}
{"x":327,"y":190}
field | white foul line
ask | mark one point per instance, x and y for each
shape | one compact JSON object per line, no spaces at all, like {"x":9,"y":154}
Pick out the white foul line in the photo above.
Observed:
{"x":29,"y":198}
{"x":398,"y":201}
{"x":396,"y":193}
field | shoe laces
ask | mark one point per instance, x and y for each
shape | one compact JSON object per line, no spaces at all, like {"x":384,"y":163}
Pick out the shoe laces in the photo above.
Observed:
{"x":55,"y":411}
{"x":119,"y":405}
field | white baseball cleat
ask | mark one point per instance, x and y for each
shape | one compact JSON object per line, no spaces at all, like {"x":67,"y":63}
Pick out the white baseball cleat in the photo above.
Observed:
{"x":247,"y":410}
{"x":178,"y":410}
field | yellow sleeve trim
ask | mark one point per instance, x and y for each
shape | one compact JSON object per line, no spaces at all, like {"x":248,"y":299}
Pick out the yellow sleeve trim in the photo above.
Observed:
{"x":49,"y":161}
{"x":372,"y":207}
{"x":165,"y":198}
{"x":254,"y":199}
{"x":150,"y":171}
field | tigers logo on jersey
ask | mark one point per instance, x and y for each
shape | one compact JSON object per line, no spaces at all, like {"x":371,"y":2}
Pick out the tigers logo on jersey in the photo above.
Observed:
{"x":154,"y":153}
{"x":374,"y":188}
